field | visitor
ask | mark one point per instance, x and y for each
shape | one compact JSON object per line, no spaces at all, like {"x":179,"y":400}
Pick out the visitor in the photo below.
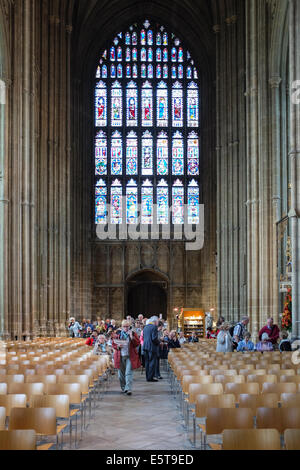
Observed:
{"x":285,"y":344}
{"x":101,"y":327}
{"x":210,"y":334}
{"x":246,"y":344}
{"x":92,"y":339}
{"x":173,"y":340}
{"x":220,"y":321}
{"x":107,"y":323}
{"x":89,"y":324}
{"x":239,"y":332}
{"x":74,"y":328}
{"x":271,"y":330}
{"x":193,"y":338}
{"x":88,"y":332}
{"x":157,"y":374}
{"x":101,"y":347}
{"x":265,"y":344}
{"x":182,"y":339}
{"x":224,"y":339}
{"x":151,"y":348}
{"x":126,"y":358}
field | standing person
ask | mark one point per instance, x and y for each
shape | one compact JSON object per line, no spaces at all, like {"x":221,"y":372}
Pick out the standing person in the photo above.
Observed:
{"x":126,"y":358}
{"x":193,"y":338}
{"x":74,"y":328}
{"x":173,"y":340}
{"x":271,"y":330}
{"x":239,"y":332}
{"x":161,"y":339}
{"x":182,"y":339}
{"x":224,"y":339}
{"x":151,"y":348}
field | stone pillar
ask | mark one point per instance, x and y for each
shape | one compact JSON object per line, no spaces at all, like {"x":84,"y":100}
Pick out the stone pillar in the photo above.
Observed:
{"x":294,"y":214}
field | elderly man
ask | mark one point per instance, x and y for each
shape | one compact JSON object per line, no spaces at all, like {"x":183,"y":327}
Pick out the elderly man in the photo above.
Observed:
{"x":151,"y":348}
{"x":239,"y":331}
{"x":74,"y":328}
{"x":271,"y":330}
{"x":126,"y":358}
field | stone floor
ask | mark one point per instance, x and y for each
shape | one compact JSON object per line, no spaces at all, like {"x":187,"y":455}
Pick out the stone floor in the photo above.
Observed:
{"x":148,"y":420}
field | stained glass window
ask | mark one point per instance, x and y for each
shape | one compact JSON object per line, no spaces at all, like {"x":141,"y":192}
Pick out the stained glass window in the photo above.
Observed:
{"x":101,"y":105}
{"x":101,"y":154}
{"x":147,"y":105}
{"x":116,"y":105}
{"x":193,"y":203}
{"x":193,"y":105}
{"x":132,"y":203}
{"x":193,"y":154}
{"x":116,"y":203}
{"x":132,"y":154}
{"x":101,"y":203}
{"x":147,"y":203}
{"x":162,"y":154}
{"x":162,"y":105}
{"x":132,"y":105}
{"x":147,"y":154}
{"x":116,"y":154}
{"x":177,"y":105}
{"x":146,"y":127}
{"x":178,"y":203}
{"x":177,"y":155}
{"x":162,"y":203}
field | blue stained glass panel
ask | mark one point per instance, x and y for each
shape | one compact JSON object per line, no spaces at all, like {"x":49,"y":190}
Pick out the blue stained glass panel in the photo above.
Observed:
{"x":163,"y":204}
{"x":147,"y":107}
{"x":134,"y":71}
{"x":132,"y":204}
{"x":180,"y":72}
{"x":193,"y":107}
{"x":143,"y":71}
{"x":165,"y":71}
{"x":162,"y":106}
{"x":127,"y":39}
{"x":132,"y":156}
{"x":150,"y":54}
{"x":120,"y":71}
{"x":180,"y":54}
{"x":193,"y":155}
{"x":189,"y":73}
{"x":132,"y":105}
{"x":174,"y":72}
{"x":119,"y":54}
{"x":158,"y":54}
{"x":134,"y":39}
{"x":147,"y":154}
{"x":162,"y":155}
{"x":165,"y":55}
{"x":150,"y":71}
{"x":177,"y":156}
{"x":143,"y":37}
{"x":101,"y":205}
{"x":147,"y":205}
{"x":143,"y":55}
{"x":178,"y":204}
{"x":116,"y":205}
{"x":158,"y":71}
{"x":150,"y":37}
{"x":134,"y":54}
{"x":128,"y":54}
{"x":112,"y":54}
{"x":101,"y":107}
{"x":165,"y":39}
{"x":128,"y":71}
{"x":174,"y":54}
{"x":177,"y":107}
{"x":193,"y":204}
{"x":101,"y":155}
{"x":158,"y":39}
{"x":104,"y":71}
{"x":116,"y":157}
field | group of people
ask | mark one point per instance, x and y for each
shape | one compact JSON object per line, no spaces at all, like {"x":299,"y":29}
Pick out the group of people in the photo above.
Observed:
{"x":131,"y":344}
{"x":237,"y":337}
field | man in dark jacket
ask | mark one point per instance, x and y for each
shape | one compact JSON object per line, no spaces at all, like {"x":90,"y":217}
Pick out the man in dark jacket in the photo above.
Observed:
{"x":151,"y":348}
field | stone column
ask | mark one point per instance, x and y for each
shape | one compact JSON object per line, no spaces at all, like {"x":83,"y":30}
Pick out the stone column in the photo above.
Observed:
{"x":294,"y":214}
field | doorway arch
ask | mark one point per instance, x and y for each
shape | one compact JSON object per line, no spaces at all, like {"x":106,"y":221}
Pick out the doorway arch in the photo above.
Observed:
{"x":147,"y":294}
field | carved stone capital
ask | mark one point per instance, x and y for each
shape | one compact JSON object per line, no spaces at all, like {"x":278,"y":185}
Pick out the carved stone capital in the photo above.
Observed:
{"x":274,"y":82}
{"x":216,"y":28}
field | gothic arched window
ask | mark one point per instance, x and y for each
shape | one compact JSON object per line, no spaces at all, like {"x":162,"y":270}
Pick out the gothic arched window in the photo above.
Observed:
{"x":147,"y":142}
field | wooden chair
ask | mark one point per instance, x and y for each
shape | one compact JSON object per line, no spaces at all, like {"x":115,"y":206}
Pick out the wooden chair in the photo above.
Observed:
{"x":215,"y":372}
{"x":2,"y":417}
{"x":290,"y":378}
{"x":3,"y":388}
{"x":61,"y":404}
{"x":13,"y":401}
{"x":292,"y":439}
{"x":12,"y":379}
{"x":219,"y":419}
{"x":238,"y":389}
{"x":290,"y":400}
{"x":205,"y":401}
{"x":27,"y":389}
{"x":280,"y":418}
{"x":225,"y":379}
{"x":251,"y":439}
{"x":261,"y":379}
{"x":44,"y":379}
{"x":268,"y":400}
{"x":18,"y":440}
{"x":73,"y":390}
{"x":279,"y":388}
{"x":41,"y":420}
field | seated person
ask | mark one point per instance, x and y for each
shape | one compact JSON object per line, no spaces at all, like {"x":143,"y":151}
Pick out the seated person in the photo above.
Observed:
{"x":210,"y":334}
{"x":193,"y":338}
{"x":265,"y":344}
{"x":182,"y":339}
{"x":88,"y":332}
{"x":246,"y":344}
{"x":173,"y":340}
{"x":285,"y":344}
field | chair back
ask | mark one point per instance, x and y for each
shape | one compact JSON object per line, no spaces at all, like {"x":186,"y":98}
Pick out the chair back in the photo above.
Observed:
{"x":204,"y":401}
{"x":13,"y":401}
{"x":279,"y":388}
{"x":42,"y":420}
{"x":18,"y":440}
{"x":61,"y":403}
{"x":292,"y":439}
{"x":251,"y":439}
{"x":219,"y":419}
{"x":73,"y":390}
